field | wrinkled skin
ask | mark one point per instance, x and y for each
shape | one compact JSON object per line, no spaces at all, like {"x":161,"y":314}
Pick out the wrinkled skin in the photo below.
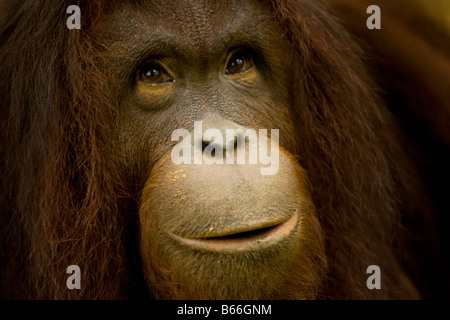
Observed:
{"x":185,"y":210}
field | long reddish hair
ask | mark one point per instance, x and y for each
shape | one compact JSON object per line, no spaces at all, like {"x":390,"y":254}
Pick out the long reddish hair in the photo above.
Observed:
{"x":62,"y":200}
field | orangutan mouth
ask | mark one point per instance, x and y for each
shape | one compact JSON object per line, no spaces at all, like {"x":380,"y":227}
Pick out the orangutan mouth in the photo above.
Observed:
{"x":244,"y":240}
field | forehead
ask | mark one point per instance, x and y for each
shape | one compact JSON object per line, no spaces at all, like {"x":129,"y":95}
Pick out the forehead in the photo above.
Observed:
{"x":195,"y":26}
{"x":203,"y":17}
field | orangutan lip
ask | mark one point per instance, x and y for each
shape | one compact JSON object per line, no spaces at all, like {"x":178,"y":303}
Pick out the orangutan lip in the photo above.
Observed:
{"x":242,"y":241}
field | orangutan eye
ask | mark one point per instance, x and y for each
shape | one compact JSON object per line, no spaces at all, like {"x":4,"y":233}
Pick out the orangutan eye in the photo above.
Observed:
{"x":239,"y":62}
{"x":154,"y":75}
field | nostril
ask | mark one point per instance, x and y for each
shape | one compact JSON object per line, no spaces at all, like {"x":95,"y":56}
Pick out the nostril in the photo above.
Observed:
{"x":205,"y":145}
{"x":210,"y":148}
{"x":222,"y":141}
{"x":240,"y":140}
